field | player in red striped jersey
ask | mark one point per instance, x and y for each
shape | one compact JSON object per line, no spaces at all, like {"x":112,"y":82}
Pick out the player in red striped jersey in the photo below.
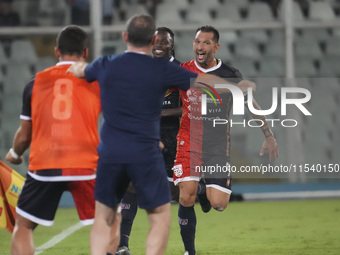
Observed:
{"x":198,"y":145}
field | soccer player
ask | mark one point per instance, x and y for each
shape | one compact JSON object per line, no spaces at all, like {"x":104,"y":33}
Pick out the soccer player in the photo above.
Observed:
{"x":164,"y":48}
{"x":59,"y":122}
{"x":198,"y":146}
{"x":132,"y":88}
{"x":171,"y":111}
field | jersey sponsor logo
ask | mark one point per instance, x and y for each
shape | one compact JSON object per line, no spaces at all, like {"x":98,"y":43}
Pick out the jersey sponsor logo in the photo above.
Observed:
{"x":178,"y":170}
{"x":204,"y":97}
{"x":166,"y":102}
{"x":183,"y":222}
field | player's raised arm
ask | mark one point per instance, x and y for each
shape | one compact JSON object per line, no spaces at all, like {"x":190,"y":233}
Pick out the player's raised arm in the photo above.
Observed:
{"x":78,"y":69}
{"x":213,"y":79}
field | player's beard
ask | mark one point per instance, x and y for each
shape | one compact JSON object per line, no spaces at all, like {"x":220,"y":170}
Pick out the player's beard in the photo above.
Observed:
{"x":205,"y":60}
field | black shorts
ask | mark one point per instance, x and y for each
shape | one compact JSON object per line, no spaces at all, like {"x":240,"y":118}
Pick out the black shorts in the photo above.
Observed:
{"x":220,"y":175}
{"x":39,"y":200}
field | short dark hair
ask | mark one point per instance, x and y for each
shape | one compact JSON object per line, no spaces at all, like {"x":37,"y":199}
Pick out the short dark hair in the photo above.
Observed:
{"x":72,"y":40}
{"x":140,"y":30}
{"x":166,"y":30}
{"x":210,"y":29}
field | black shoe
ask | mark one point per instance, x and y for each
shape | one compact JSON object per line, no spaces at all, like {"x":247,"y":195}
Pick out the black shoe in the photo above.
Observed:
{"x":204,"y":202}
{"x":123,"y":251}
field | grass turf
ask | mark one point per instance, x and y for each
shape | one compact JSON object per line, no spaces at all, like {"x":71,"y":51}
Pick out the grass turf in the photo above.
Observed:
{"x":285,"y":227}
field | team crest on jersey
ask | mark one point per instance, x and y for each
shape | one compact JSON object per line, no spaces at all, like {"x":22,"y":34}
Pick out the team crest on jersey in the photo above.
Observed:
{"x":178,"y":170}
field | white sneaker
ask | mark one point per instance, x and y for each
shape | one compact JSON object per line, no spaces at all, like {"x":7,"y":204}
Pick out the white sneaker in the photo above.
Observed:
{"x":187,"y":253}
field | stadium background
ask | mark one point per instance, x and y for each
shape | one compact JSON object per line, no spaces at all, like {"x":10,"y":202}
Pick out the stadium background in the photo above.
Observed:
{"x":270,"y":42}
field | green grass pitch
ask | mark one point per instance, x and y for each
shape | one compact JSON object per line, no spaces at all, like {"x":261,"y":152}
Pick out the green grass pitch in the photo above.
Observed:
{"x":245,"y":228}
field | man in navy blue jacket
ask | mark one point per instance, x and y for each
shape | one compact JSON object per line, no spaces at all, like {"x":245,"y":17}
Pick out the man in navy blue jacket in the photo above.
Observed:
{"x":132,"y":88}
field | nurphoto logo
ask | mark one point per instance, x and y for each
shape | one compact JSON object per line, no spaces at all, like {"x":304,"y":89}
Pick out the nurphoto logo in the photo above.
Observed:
{"x":301,"y":97}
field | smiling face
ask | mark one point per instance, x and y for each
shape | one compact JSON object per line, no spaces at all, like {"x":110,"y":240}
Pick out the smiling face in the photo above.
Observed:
{"x":205,"y":47}
{"x":163,"y":46}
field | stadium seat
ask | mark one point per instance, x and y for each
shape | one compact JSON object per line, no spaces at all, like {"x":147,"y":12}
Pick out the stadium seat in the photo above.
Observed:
{"x":332,"y":46}
{"x":335,"y":150}
{"x":2,"y":78}
{"x":119,"y":46}
{"x":315,"y":154}
{"x":324,"y":112}
{"x":210,"y":5}
{"x":54,"y":13}
{"x":330,"y":83}
{"x":258,"y":36}
{"x":228,"y":12}
{"x":297,"y":12}
{"x":23,"y":51}
{"x":3,"y":59}
{"x":321,"y":10}
{"x":336,"y":32}
{"x":135,"y":9}
{"x":272,"y":67}
{"x":264,"y":94}
{"x":2,"y":81}
{"x":277,"y":35}
{"x":178,"y":4}
{"x":306,"y":83}
{"x":21,"y":8}
{"x":11,"y":109}
{"x":317,"y":141}
{"x":14,"y":83}
{"x":197,"y":15}
{"x":28,"y":11}
{"x":227,"y":37}
{"x":326,"y":99}
{"x":329,"y":66}
{"x":320,"y":35}
{"x":9,"y":125}
{"x":246,"y":48}
{"x":246,"y":66}
{"x":237,"y":130}
{"x":275,"y":47}
{"x":168,"y":15}
{"x":224,"y":53}
{"x":305,"y":67}
{"x":45,"y":62}
{"x":259,"y":12}
{"x":184,"y":50}
{"x":239,"y":3}
{"x":307,"y":48}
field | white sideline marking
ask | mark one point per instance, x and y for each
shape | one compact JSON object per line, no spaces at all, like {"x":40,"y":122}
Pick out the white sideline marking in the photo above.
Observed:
{"x":58,"y":238}
{"x":321,"y":194}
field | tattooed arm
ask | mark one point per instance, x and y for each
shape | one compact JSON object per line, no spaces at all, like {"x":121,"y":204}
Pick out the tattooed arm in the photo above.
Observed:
{"x":270,"y":143}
